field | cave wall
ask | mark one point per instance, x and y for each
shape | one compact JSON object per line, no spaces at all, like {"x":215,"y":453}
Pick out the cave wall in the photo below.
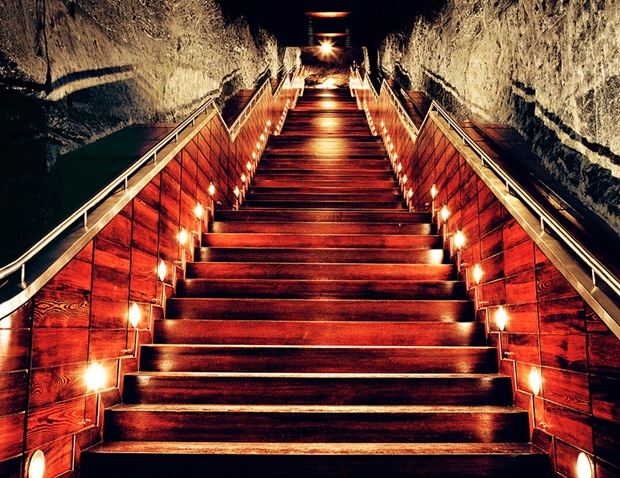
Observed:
{"x":549,"y":68}
{"x":73,"y":71}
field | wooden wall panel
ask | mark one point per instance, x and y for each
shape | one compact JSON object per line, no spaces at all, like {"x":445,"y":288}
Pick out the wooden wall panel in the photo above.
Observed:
{"x":54,"y":384}
{"x":13,"y":388}
{"x":55,"y":420}
{"x":58,"y":346}
{"x":11,"y":435}
{"x":54,"y":308}
{"x":567,"y":388}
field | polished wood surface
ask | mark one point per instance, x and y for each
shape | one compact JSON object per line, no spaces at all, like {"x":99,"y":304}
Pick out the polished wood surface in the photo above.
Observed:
{"x":297,"y":326}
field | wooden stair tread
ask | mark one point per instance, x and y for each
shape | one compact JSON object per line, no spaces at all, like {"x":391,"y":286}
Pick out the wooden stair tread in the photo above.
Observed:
{"x":253,"y":448}
{"x":318,"y":409}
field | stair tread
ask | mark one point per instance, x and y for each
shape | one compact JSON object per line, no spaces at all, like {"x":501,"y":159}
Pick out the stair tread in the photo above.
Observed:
{"x":294,"y":448}
{"x":316,"y":409}
{"x":330,"y":375}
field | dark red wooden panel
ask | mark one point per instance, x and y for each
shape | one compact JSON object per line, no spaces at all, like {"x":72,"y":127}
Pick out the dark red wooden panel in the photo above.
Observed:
{"x":56,"y":384}
{"x":54,"y":308}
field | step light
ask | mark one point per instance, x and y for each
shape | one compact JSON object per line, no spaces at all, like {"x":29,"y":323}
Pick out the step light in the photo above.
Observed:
{"x":535,"y":381}
{"x":183,"y":237}
{"x":199,"y":211}
{"x":444,"y":213}
{"x":477,"y":273}
{"x":434,"y":192}
{"x":243,"y":178}
{"x":211,"y":189}
{"x":237,"y":191}
{"x":162,"y":270}
{"x":134,"y":315}
{"x":36,"y":466}
{"x":584,"y":466}
{"x":249,"y":164}
{"x":95,"y":377}
{"x":501,"y":318}
{"x":459,"y":240}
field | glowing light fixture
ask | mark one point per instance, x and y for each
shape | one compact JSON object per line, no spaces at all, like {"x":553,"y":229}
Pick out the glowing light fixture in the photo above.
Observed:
{"x":183,"y":237}
{"x":236,"y":191}
{"x":249,"y":164}
{"x":243,"y":178}
{"x":477,"y":273}
{"x":257,"y":145}
{"x":501,"y":318}
{"x":211,"y":189}
{"x":95,"y":377}
{"x":262,"y":137}
{"x":584,"y":466}
{"x":162,"y":270}
{"x":134,"y":315}
{"x":400,"y":167}
{"x":410,"y":193}
{"x":326,"y":47}
{"x":404,"y":179}
{"x":253,"y":156}
{"x":199,"y":211}
{"x":268,"y":123}
{"x":535,"y":381}
{"x":459,"y":240}
{"x":434,"y":192}
{"x":36,"y":466}
{"x":444,"y":213}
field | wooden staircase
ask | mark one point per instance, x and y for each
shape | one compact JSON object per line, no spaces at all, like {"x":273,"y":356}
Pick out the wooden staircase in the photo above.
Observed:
{"x":320,"y":332}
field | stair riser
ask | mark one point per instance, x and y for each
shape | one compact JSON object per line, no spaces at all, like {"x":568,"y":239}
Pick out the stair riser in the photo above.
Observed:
{"x":320,"y":204}
{"x":324,"y":391}
{"x":313,"y":255}
{"x":318,"y":333}
{"x":323,"y":228}
{"x":132,"y":465}
{"x":316,"y":427}
{"x":298,"y":289}
{"x":314,"y":196}
{"x":274,"y":270}
{"x":399,"y":217}
{"x":318,"y":360}
{"x":322,"y":309}
{"x":321,"y":241}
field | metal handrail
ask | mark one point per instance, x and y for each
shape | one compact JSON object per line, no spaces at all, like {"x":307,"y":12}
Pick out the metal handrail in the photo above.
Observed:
{"x":402,"y":112}
{"x":597,"y":268}
{"x":119,"y":181}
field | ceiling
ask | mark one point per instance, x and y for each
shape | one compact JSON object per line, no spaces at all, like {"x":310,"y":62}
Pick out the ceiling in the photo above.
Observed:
{"x":368,"y":22}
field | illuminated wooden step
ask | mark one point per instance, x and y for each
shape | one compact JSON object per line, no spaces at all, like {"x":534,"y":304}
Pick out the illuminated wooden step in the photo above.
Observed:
{"x":323,"y":228}
{"x":310,"y":196}
{"x":325,"y":204}
{"x":327,"y":255}
{"x":400,"y":241}
{"x":326,"y":188}
{"x":271,"y":164}
{"x":327,"y":333}
{"x":359,"y":176}
{"x":328,"y":359}
{"x":321,"y":288}
{"x":127,"y":459}
{"x":399,"y":217}
{"x":317,"y":271}
{"x":316,"y":423}
{"x":320,"y":309}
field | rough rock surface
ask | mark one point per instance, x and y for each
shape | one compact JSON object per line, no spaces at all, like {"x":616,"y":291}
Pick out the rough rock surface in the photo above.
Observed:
{"x":74,"y":71}
{"x":550,"y":68}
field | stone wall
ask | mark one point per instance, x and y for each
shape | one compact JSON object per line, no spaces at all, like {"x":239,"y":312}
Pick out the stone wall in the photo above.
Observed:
{"x":549,"y":68}
{"x":74,"y":71}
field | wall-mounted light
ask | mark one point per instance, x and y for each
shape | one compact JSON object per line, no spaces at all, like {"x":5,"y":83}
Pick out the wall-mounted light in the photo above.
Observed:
{"x":459,"y":240}
{"x":249,"y":165}
{"x":95,"y":377}
{"x":584,"y":466}
{"x":162,"y":270}
{"x":444,"y":213}
{"x":199,"y":211}
{"x":535,"y":381}
{"x":134,"y":315}
{"x":243,"y":178}
{"x":399,"y":168}
{"x":262,"y":137}
{"x":183,"y":237}
{"x":477,"y":273}
{"x":236,"y":191}
{"x":404,"y":179}
{"x":410,"y":193}
{"x":501,"y":318}
{"x":268,"y":123}
{"x":211,"y":189}
{"x":434,"y":192}
{"x":253,"y":156}
{"x":36,"y":465}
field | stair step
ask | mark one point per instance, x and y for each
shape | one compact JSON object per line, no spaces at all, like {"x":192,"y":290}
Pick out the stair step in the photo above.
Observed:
{"x":299,"y":289}
{"x":320,"y":309}
{"x":313,"y":196}
{"x":319,"y":359}
{"x":363,"y":185}
{"x":281,"y":240}
{"x":323,"y":228}
{"x":319,"y":271}
{"x":399,"y":217}
{"x":327,"y":255}
{"x":316,"y":423}
{"x":126,"y":459}
{"x":306,"y":332}
{"x":324,"y":204}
